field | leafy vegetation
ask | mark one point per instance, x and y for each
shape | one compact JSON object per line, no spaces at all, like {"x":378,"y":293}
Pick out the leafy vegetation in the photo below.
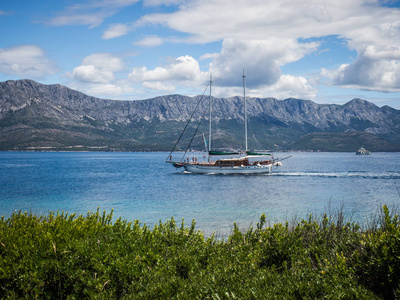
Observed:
{"x":61,"y":256}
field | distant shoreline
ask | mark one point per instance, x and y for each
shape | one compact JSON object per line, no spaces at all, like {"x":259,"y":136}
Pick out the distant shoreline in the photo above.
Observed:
{"x":167,"y":151}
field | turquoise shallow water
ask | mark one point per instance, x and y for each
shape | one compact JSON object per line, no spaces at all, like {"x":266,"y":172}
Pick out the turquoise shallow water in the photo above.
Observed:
{"x":141,"y":186}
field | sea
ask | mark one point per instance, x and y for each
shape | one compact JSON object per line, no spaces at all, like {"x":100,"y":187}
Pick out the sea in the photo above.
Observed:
{"x":141,"y":186}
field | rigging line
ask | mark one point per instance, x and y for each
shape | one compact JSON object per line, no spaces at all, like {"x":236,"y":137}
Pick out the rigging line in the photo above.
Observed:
{"x":198,"y":125}
{"x":201,"y":98}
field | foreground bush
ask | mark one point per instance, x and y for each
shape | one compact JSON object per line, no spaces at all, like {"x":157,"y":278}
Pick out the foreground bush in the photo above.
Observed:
{"x":63,"y":256}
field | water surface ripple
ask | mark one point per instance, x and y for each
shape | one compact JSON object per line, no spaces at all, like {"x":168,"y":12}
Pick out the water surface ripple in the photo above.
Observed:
{"x":141,"y":186}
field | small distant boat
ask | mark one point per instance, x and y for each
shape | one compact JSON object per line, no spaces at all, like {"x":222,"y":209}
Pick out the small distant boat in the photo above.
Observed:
{"x":363,"y":151}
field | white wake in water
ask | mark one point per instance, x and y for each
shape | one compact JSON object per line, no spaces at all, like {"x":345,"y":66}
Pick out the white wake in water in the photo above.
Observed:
{"x":386,"y":175}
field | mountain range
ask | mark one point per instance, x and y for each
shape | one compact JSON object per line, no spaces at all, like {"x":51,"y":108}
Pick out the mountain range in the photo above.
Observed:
{"x":35,"y":116}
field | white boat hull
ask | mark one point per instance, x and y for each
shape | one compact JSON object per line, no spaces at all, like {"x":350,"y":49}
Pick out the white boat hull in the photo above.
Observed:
{"x":206,"y":169}
{"x":247,"y":163}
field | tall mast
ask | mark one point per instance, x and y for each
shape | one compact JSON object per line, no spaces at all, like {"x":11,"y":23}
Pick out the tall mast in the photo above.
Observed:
{"x":245,"y":111}
{"x":209,"y":133}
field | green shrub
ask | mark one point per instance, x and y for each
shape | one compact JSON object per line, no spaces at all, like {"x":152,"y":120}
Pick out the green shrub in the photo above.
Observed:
{"x":65,"y":256}
{"x":378,"y":261}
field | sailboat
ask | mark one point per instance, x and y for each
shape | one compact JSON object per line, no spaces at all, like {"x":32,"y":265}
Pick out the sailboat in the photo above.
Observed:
{"x":218,"y":162}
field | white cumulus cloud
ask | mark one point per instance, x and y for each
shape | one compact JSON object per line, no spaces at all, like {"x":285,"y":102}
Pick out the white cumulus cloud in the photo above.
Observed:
{"x":262,"y":36}
{"x":259,"y":36}
{"x":214,"y":20}
{"x":93,"y":13}
{"x":292,"y":87}
{"x":261,"y":59}
{"x":162,"y":2}
{"x":367,"y":74}
{"x":108,"y":90}
{"x":26,"y":61}
{"x":98,"y":68}
{"x":184,"y":70}
{"x":287,"y":86}
{"x":377,"y":65}
{"x":150,"y":41}
{"x":116,"y":30}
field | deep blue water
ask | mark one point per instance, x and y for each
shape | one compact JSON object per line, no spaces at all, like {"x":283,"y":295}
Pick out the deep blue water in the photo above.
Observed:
{"x":141,"y":186}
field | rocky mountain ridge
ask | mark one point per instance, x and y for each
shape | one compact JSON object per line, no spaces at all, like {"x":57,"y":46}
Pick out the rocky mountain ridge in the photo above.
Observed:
{"x":37,"y":116}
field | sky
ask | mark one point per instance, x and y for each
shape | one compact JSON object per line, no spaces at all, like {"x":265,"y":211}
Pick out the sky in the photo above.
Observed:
{"x":327,"y":51}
